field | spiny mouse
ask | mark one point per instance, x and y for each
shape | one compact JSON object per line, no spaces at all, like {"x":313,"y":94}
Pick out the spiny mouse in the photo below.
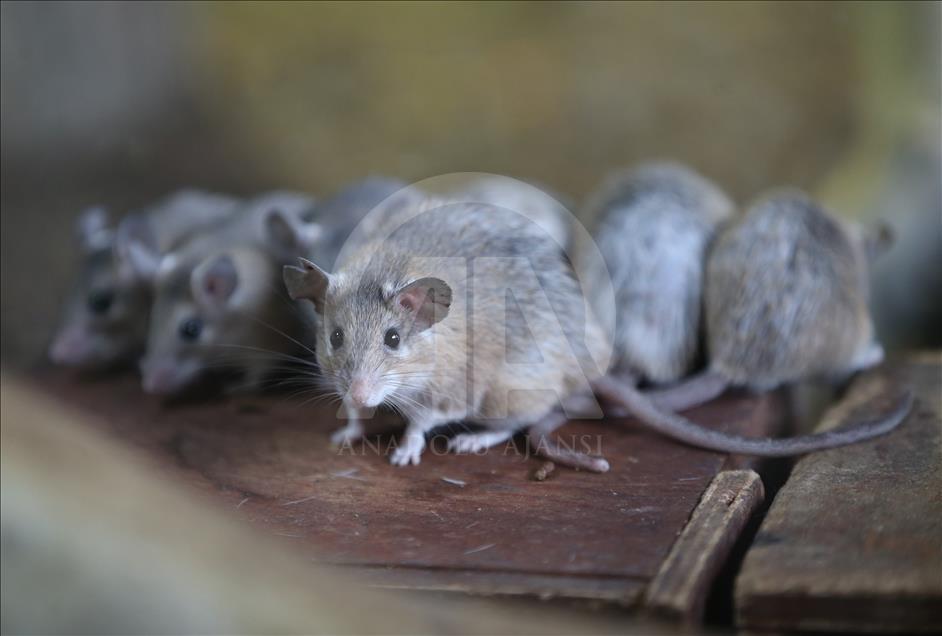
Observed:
{"x":459,"y":311}
{"x":105,"y":321}
{"x":219,"y":299}
{"x":786,"y":300}
{"x":654,"y":224}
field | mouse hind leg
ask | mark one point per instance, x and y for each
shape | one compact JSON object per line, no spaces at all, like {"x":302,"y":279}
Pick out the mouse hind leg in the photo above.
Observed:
{"x":543,"y":443}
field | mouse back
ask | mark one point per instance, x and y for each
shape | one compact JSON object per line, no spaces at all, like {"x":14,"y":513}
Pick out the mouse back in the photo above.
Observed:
{"x":654,"y":225}
{"x":538,"y":203}
{"x":787,"y":296}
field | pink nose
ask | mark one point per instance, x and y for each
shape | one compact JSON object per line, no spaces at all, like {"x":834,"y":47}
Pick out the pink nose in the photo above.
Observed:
{"x":70,"y":347}
{"x":158,"y":378}
{"x":359,"y":392}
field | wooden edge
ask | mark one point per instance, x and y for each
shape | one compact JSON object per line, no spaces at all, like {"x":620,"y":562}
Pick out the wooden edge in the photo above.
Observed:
{"x":679,"y":589}
{"x":616,"y":590}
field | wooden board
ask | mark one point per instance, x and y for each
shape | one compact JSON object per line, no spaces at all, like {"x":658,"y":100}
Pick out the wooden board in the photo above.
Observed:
{"x":853,"y":541}
{"x":471,"y":523}
{"x":679,"y":589}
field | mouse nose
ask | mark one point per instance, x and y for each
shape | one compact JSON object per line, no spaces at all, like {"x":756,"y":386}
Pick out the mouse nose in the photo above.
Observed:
{"x":361,"y":389}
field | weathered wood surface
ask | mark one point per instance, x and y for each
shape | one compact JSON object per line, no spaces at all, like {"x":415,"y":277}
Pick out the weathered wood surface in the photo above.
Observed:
{"x":680,"y":587}
{"x":472,"y":523}
{"x":854,"y":539}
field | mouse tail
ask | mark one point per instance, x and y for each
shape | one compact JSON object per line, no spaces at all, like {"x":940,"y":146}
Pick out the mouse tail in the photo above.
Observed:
{"x":688,"y":393}
{"x":684,"y":430}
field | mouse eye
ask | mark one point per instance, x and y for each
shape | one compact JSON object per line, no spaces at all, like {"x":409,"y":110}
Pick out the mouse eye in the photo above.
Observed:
{"x":336,"y":338}
{"x":191,"y":329}
{"x":392,"y":339}
{"x":99,"y":302}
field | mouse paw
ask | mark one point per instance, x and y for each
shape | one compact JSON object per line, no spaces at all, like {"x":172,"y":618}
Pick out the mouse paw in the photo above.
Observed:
{"x":477,"y":442}
{"x":410,"y":452}
{"x":349,"y":433}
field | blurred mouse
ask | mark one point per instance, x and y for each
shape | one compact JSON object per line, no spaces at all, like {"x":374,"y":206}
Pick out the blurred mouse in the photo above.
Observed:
{"x":105,"y":320}
{"x":654,"y":224}
{"x":786,"y":300}
{"x":220,"y":304}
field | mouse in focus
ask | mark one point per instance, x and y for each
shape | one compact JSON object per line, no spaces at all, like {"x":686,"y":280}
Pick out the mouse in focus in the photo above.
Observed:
{"x":786,"y":299}
{"x":455,"y":312}
{"x":104,"y":323}
{"x":220,"y":307}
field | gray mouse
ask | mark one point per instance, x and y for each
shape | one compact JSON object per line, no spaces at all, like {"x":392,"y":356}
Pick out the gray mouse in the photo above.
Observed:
{"x":786,"y":299}
{"x":220,"y":304}
{"x":105,"y":320}
{"x":654,"y":225}
{"x":399,"y":316}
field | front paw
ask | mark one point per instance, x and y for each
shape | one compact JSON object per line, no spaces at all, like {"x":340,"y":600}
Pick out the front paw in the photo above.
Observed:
{"x":346,"y":435}
{"x":409,"y":453}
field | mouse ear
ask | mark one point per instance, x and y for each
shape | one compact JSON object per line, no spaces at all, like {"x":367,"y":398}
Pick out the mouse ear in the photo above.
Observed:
{"x":307,"y":281}
{"x":214,"y":281}
{"x":136,"y":248}
{"x":427,"y":299}
{"x":91,"y":229}
{"x":291,"y":234}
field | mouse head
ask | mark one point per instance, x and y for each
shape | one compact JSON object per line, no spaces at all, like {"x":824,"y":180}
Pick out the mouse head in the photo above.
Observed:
{"x":375,"y":338}
{"x":105,"y":320}
{"x":202,"y":314}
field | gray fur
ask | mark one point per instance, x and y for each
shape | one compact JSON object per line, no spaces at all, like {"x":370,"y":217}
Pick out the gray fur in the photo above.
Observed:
{"x":256,"y":328}
{"x":88,"y":338}
{"x":787,"y":296}
{"x":536,"y":202}
{"x":786,"y":299}
{"x":433,"y":378}
{"x":655,"y":223}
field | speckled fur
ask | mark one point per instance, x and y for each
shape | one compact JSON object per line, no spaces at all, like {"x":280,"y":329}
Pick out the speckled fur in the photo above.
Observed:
{"x":655,"y":223}
{"x":787,"y":296}
{"x":437,"y":375}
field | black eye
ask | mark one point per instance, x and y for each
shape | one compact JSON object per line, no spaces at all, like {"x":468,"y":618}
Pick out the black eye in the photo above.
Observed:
{"x":191,"y":329}
{"x":99,"y":302}
{"x":336,"y":338}
{"x":392,"y":339}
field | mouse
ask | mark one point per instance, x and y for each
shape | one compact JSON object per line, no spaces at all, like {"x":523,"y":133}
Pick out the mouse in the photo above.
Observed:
{"x":786,"y":299}
{"x":104,"y":323}
{"x":220,"y":307}
{"x":654,"y":223}
{"x":457,"y":311}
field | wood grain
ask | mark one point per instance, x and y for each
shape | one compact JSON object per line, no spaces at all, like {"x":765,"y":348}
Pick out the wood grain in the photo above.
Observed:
{"x":853,"y":541}
{"x":679,"y":589}
{"x":475,"y":523}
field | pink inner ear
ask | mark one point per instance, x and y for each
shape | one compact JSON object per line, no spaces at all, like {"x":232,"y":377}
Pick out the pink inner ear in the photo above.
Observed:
{"x":407,"y":302}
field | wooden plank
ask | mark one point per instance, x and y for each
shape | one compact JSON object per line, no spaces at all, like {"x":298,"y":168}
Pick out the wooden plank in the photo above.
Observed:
{"x":680,"y":587}
{"x":475,"y":523}
{"x":853,"y":541}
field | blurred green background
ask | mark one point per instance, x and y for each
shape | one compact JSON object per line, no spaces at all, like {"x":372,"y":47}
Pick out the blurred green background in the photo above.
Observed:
{"x":120,"y":103}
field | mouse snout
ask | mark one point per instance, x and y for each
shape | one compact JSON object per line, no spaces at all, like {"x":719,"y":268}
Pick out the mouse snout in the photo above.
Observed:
{"x":163,"y":376}
{"x":71,"y":346}
{"x":362,"y":392}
